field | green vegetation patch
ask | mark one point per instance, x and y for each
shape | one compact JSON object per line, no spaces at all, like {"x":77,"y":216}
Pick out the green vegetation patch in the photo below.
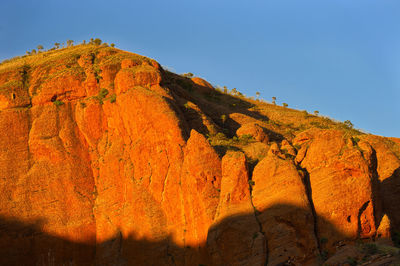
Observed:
{"x":58,"y":103}
{"x":101,"y":95}
{"x":113,"y":98}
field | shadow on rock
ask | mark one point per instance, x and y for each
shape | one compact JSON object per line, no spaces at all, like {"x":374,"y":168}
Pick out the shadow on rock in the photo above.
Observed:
{"x":213,"y":103}
{"x":235,"y":240}
{"x":390,"y":192}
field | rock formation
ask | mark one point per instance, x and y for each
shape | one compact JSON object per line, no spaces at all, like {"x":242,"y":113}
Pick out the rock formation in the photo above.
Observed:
{"x":107,"y":159}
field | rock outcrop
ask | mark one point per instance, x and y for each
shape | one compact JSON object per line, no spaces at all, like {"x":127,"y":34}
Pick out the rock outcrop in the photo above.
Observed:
{"x":234,"y":239}
{"x":254,"y":130}
{"x":107,"y":159}
{"x":284,"y":211}
{"x":336,"y":167}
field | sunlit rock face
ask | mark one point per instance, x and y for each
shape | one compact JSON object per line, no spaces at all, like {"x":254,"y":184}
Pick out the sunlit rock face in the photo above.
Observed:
{"x":107,"y":159}
{"x":285,"y":212}
{"x":341,"y":185}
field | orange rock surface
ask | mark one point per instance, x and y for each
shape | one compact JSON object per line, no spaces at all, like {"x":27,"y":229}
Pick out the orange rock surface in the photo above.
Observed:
{"x":107,"y":159}
{"x":284,"y":211}
{"x":337,"y":168}
{"x":254,"y":130}
{"x":235,"y":237}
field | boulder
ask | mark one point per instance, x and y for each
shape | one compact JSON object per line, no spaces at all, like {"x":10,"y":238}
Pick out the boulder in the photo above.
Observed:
{"x":202,"y":82}
{"x":254,"y":130}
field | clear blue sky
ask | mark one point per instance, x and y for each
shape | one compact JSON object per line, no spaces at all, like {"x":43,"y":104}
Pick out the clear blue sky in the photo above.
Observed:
{"x":341,"y":57}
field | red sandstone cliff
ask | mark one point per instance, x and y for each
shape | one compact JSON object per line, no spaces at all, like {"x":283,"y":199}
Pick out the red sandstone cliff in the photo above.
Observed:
{"x":107,"y":159}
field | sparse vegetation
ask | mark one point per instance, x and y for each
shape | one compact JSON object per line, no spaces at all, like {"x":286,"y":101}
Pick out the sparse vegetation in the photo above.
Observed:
{"x":298,"y":147}
{"x":318,"y":124}
{"x":348,"y":124}
{"x":58,"y":103}
{"x":102,"y":94}
{"x":355,"y":140}
{"x":97,"y":41}
{"x":188,"y":75}
{"x":245,"y":139}
{"x":113,"y":98}
{"x":223,"y":119}
{"x":97,"y":72}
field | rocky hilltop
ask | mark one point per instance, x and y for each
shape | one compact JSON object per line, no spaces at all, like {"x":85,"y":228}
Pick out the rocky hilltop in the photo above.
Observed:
{"x":108,"y":159}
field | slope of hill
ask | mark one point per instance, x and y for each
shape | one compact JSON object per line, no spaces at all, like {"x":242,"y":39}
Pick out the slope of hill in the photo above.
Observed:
{"x":106,"y":158}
